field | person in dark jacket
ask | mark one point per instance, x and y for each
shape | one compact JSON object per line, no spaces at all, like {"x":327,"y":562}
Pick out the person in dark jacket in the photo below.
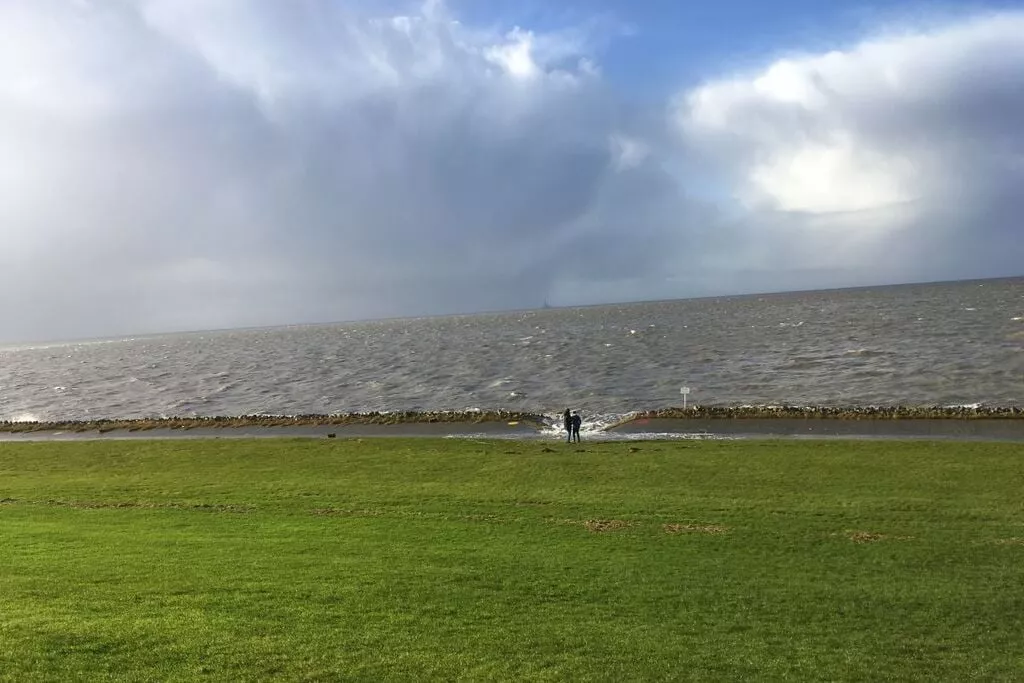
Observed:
{"x":567,"y":422}
{"x":576,"y":422}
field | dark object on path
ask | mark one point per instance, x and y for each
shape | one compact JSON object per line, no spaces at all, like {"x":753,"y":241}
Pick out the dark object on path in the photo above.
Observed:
{"x":331,"y":435}
{"x":576,"y":422}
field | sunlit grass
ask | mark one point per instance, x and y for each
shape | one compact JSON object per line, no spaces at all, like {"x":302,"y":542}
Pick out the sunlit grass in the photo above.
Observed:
{"x":493,"y":560}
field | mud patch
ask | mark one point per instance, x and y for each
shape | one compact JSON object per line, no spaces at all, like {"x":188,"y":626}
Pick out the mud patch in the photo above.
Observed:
{"x":873,"y":537}
{"x":143,"y":505}
{"x":1000,"y":541}
{"x":713,"y":529}
{"x":596,"y":526}
{"x":599,"y":526}
{"x":337,"y":512}
{"x":409,"y":514}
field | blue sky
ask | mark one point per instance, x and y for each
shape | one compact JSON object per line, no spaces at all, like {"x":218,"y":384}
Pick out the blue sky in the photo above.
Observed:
{"x":663,"y":45}
{"x":198,"y":164}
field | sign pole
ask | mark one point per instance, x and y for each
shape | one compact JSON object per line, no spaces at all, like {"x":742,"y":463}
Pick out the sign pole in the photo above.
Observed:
{"x":685,"y":391}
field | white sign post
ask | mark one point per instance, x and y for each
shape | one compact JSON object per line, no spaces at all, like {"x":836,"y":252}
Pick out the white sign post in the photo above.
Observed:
{"x":685,"y":391}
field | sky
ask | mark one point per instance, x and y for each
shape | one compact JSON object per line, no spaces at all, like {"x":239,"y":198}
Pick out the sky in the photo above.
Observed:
{"x":206,"y":164}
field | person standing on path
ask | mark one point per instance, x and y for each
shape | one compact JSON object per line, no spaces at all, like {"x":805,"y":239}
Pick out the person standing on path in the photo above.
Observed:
{"x":576,"y":422}
{"x":567,"y":422}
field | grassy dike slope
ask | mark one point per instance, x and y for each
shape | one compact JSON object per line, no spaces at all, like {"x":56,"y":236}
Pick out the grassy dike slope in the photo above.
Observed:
{"x":401,"y":559}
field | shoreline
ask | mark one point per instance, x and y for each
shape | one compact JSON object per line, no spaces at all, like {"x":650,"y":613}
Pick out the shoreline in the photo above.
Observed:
{"x":342,"y":431}
{"x":396,"y":419}
{"x":693,"y":415}
{"x":539,"y":428}
{"x":838,"y":413}
{"x":975,"y":429}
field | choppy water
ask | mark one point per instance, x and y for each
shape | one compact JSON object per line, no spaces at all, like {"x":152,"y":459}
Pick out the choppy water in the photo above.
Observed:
{"x":945,"y":344}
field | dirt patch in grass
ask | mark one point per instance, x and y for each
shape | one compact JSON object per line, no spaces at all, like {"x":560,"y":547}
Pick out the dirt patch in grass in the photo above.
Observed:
{"x":410,"y":514}
{"x":694,"y":529}
{"x":348,"y":513}
{"x":1000,"y":541}
{"x":873,"y":537}
{"x":144,"y":505}
{"x":599,"y":526}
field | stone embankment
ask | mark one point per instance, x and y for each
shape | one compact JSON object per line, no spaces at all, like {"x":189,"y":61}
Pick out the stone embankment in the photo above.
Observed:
{"x":836,"y":412}
{"x":187,"y":423}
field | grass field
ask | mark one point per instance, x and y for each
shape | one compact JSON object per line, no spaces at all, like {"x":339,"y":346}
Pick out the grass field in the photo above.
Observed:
{"x":400,"y":559}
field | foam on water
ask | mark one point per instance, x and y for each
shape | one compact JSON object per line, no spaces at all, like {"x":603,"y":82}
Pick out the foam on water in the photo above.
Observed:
{"x":601,"y":436}
{"x":592,"y":425}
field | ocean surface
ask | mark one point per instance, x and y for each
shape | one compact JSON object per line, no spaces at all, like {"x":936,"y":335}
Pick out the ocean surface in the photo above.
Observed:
{"x":936,"y":344}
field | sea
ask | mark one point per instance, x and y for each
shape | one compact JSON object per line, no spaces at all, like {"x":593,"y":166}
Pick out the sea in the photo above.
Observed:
{"x":942,"y":344}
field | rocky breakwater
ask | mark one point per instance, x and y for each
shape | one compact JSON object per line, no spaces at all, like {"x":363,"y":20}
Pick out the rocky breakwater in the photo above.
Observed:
{"x":834,"y":413}
{"x":934,"y":422}
{"x":274,"y":421}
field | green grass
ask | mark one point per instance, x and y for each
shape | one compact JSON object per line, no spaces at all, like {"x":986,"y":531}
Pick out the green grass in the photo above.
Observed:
{"x":472,"y":560}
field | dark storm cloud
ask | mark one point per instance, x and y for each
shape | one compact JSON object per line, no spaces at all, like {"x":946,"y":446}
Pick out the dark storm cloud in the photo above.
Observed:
{"x":207,"y":164}
{"x":176,"y":164}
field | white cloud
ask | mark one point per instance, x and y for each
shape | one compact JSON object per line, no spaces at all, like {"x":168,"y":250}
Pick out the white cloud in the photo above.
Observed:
{"x":516,"y":55}
{"x":839,"y":173}
{"x":897,"y":156}
{"x":867,"y":127}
